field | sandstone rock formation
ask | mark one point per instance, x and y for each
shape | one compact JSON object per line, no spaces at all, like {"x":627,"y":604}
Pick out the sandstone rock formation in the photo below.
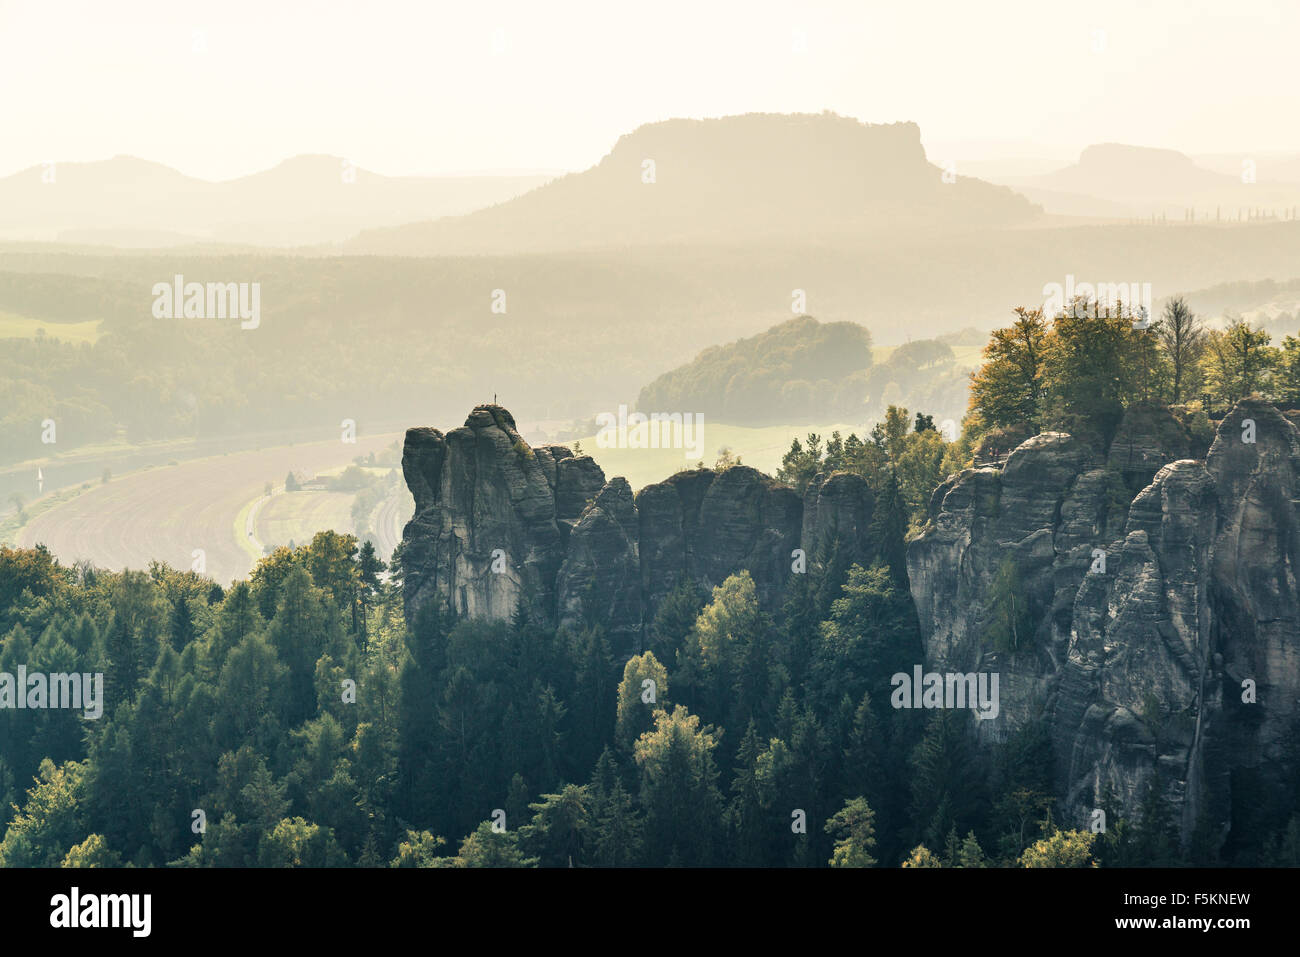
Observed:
{"x":1161,"y":591}
{"x":1153,"y":609}
{"x":499,"y":525}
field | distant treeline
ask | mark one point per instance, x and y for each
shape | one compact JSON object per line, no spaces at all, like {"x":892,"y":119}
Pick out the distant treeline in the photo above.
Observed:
{"x":409,"y":339}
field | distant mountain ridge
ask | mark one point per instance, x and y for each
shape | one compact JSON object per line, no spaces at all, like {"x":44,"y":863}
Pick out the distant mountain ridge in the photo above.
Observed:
{"x":1122,"y":181}
{"x":131,"y":202}
{"x":1115,"y":170}
{"x":755,"y":177}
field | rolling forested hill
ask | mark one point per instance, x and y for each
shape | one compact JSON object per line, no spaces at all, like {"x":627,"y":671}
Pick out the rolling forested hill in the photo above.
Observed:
{"x":803,"y":371}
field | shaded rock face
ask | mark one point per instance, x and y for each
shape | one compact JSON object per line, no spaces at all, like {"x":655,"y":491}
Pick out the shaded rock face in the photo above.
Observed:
{"x":600,"y":577}
{"x":499,"y":525}
{"x":1152,"y":609}
{"x":1148,"y":436}
{"x":838,"y":508}
{"x":484,"y":535}
{"x":703,"y":525}
{"x":1254,"y":589}
{"x":1038,"y":513}
{"x":1136,"y":679}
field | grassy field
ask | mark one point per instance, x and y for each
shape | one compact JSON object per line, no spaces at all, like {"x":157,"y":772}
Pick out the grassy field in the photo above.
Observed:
{"x":760,"y":447}
{"x":13,"y":522}
{"x":169,"y":511}
{"x":297,"y":516}
{"x":20,"y":327}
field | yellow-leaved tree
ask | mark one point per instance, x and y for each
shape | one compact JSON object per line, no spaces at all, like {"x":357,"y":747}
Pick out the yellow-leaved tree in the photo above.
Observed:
{"x":1060,"y":849}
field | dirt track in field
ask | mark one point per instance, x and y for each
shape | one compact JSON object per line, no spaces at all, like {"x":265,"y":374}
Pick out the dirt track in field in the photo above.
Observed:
{"x":166,"y":513}
{"x":389,"y":522}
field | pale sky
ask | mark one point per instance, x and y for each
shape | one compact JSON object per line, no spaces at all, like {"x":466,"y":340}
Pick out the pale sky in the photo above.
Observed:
{"x":221,"y":89}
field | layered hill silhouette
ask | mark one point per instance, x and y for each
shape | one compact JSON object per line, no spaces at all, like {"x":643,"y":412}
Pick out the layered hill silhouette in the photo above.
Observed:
{"x":125,"y":201}
{"x":731,"y":180}
{"x":1117,"y":171}
{"x":1116,"y":180}
{"x":1271,"y":167}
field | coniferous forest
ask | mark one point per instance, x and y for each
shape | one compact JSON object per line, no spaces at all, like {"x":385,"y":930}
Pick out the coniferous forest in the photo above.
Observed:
{"x":297,"y":718}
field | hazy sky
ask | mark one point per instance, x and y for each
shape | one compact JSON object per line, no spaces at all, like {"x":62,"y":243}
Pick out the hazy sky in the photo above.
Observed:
{"x":219,"y":89}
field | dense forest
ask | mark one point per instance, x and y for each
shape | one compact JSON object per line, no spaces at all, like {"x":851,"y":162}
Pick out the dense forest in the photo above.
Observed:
{"x":231,"y":735}
{"x":296,"y":718}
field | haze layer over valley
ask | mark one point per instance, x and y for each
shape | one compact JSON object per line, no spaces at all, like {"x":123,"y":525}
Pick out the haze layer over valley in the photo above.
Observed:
{"x":567,"y":297}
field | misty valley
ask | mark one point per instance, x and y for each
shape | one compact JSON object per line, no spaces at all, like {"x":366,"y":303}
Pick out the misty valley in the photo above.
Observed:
{"x":678,"y":488}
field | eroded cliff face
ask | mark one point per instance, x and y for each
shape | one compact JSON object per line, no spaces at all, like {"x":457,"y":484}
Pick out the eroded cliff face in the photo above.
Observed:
{"x":499,"y":525}
{"x":483,"y":498}
{"x":1151,"y":609}
{"x":1157,"y":589}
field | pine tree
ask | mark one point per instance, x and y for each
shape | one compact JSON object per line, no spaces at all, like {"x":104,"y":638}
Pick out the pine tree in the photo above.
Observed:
{"x":369,"y":568}
{"x":679,"y":789}
{"x":952,"y":848}
{"x":970,"y":855}
{"x":855,"y":835}
{"x":616,"y":831}
{"x":181,"y":624}
{"x":889,"y":523}
{"x":946,"y":782}
{"x":745,"y":815}
{"x":1156,"y":840}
